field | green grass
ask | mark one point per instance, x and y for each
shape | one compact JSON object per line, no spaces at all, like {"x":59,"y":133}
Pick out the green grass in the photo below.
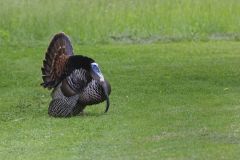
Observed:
{"x":168,"y":101}
{"x":113,"y":21}
{"x":177,"y":100}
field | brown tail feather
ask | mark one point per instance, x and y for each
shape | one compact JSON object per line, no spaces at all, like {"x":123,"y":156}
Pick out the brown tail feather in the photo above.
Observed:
{"x":58,"y":51}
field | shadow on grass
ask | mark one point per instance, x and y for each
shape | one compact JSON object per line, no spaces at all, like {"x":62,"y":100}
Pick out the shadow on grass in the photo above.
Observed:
{"x":34,"y":108}
{"x":92,"y":114}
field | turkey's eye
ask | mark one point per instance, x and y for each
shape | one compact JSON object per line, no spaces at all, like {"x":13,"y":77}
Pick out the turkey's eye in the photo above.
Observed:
{"x":95,"y":67}
{"x":96,"y":73}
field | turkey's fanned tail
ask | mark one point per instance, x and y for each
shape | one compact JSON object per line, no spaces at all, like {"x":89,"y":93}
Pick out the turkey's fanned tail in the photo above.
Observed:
{"x":56,"y":57}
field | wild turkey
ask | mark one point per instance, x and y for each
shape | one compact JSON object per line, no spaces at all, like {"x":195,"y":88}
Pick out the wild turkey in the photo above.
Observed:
{"x":76,"y":80}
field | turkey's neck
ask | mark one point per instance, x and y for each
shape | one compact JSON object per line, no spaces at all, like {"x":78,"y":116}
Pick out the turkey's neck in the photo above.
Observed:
{"x":78,"y":62}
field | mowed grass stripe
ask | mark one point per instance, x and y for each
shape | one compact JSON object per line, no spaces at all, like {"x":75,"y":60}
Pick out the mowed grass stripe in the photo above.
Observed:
{"x":104,"y":21}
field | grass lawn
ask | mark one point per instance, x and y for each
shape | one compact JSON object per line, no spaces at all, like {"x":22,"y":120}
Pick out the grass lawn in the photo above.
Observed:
{"x":169,"y":101}
{"x":174,"y":67}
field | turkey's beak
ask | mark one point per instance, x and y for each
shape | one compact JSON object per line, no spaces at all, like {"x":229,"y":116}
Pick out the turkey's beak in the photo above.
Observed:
{"x":97,"y":75}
